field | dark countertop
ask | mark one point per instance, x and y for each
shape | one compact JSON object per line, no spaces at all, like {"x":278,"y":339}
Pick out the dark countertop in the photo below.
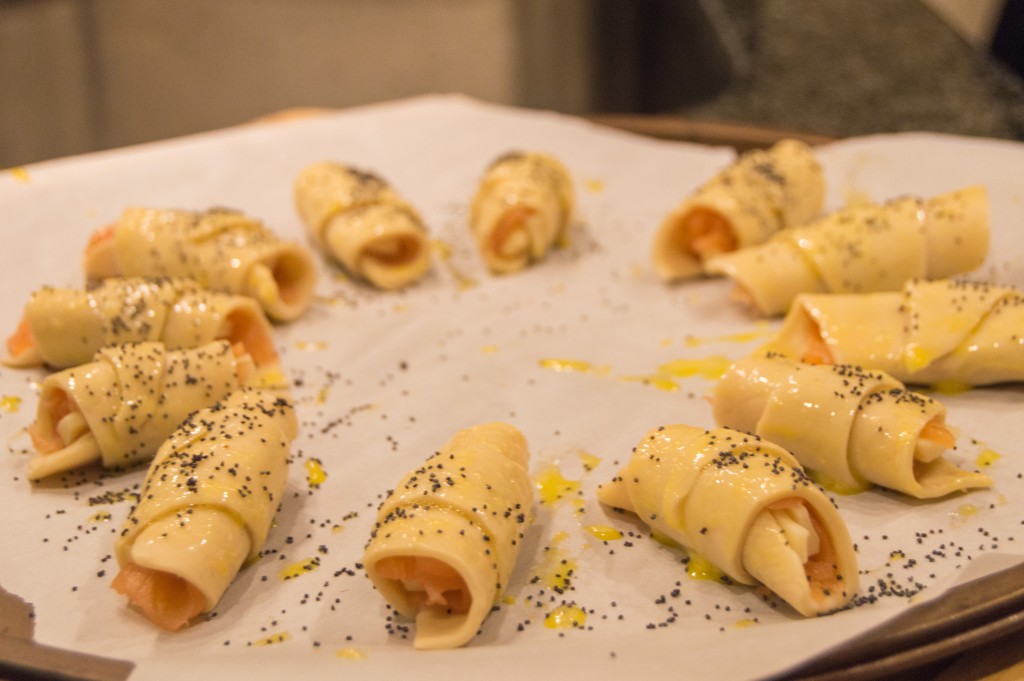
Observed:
{"x":853,"y":67}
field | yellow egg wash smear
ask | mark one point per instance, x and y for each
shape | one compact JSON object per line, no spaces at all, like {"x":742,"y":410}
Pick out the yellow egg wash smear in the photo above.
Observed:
{"x":299,"y":568}
{"x":916,"y":358}
{"x":557,"y":569}
{"x":964,"y":511}
{"x":573,"y":365}
{"x":351,"y":654}
{"x":554,"y":487}
{"x":986,"y":458}
{"x":273,"y":639}
{"x":315,"y":473}
{"x":589,"y":461}
{"x":699,"y":567}
{"x":269,"y":378}
{"x":566,"y":617}
{"x":10,"y":403}
{"x":664,"y":378}
{"x":603,"y":532}
{"x":950,"y":387}
{"x":667,"y":375}
{"x":711,"y":368}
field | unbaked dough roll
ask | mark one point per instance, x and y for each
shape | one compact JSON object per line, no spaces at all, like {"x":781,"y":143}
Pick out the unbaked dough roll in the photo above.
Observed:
{"x":64,"y":327}
{"x":362,"y":222}
{"x":221,"y":249}
{"x":521,"y":210}
{"x":746,"y":506}
{"x":206,"y":506}
{"x":446,"y":539}
{"x":953,"y":333}
{"x":761,"y":193}
{"x":120,"y":407}
{"x":846,"y":425}
{"x":861,"y":249}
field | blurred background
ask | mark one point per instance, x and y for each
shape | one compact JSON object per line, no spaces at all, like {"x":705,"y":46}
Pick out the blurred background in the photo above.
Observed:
{"x":85,"y":75}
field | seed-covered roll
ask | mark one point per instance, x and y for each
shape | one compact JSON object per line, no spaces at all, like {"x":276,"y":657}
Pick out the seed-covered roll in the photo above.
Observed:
{"x":120,"y":407}
{"x":956,"y":333}
{"x":521,"y":210}
{"x":446,"y":539}
{"x":861,"y":249}
{"x":206,"y":506}
{"x":761,"y":193}
{"x":746,"y":506}
{"x":64,"y":327}
{"x":363,"y":223}
{"x":221,"y":249}
{"x":850,"y":426}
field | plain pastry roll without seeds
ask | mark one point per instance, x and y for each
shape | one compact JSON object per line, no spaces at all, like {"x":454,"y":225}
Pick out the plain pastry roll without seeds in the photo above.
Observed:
{"x":446,"y":539}
{"x":363,"y":223}
{"x":63,"y":327}
{"x":521,"y":210}
{"x":762,"y":192}
{"x":221,"y":249}
{"x":946,"y":333}
{"x":120,"y":407}
{"x":848,"y":426}
{"x":206,"y":506}
{"x":863,"y":248}
{"x":746,"y":506}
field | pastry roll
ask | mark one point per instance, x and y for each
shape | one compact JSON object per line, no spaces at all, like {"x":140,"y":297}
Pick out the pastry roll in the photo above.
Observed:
{"x":521,"y":210}
{"x":763,"y":192}
{"x":66,"y":327}
{"x":850,"y":426}
{"x":861,"y":249}
{"x":362,"y":222}
{"x":206,"y":506}
{"x":223,"y":250}
{"x":954,"y":333}
{"x":118,"y":408}
{"x":746,"y":506}
{"x":446,"y":539}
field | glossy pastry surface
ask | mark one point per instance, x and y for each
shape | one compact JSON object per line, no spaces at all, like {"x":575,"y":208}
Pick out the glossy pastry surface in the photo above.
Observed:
{"x":863,"y":248}
{"x":363,"y":223}
{"x":521,"y":210}
{"x":120,"y":407}
{"x":206,"y":507}
{"x":746,"y":506}
{"x":446,"y":539}
{"x":946,"y":333}
{"x":220,"y":248}
{"x":762,"y":192}
{"x":850,"y":426}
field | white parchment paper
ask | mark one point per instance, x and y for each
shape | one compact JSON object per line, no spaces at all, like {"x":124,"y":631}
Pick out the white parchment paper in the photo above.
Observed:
{"x":384,"y":379}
